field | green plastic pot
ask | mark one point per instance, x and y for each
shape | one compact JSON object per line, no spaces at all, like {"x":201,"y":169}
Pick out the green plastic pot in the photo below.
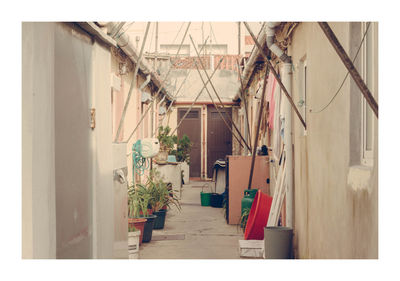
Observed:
{"x":205,"y":199}
{"x":160,"y":219}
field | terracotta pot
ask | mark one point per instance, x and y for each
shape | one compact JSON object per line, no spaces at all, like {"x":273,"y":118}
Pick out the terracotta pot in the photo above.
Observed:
{"x":139,"y":224}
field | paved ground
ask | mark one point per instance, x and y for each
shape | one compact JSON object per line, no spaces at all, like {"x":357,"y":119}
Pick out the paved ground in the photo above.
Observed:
{"x":207,"y":235}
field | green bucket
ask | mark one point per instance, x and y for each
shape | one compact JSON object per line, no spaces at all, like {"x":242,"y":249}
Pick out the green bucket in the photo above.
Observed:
{"x":205,"y":199}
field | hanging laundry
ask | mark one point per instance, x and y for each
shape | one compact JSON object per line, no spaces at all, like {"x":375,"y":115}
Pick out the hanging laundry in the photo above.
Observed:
{"x":271,"y":85}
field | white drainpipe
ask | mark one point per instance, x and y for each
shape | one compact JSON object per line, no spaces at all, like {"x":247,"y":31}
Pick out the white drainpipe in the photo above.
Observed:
{"x":287,"y":82}
{"x":148,"y":77}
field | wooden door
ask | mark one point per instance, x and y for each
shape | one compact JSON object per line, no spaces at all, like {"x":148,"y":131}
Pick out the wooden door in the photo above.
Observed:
{"x":191,"y":126}
{"x":219,"y":137}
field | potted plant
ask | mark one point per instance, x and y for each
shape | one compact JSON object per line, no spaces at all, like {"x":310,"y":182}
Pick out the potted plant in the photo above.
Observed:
{"x":144,"y":200}
{"x":182,"y":154}
{"x":166,"y":144}
{"x":134,"y":220}
{"x":161,"y":197}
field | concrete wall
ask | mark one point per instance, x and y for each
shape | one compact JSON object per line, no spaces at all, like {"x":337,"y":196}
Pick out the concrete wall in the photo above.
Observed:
{"x":67,"y":173}
{"x":103,"y":193}
{"x":73,"y":161}
{"x":336,"y":212}
{"x":38,"y":142}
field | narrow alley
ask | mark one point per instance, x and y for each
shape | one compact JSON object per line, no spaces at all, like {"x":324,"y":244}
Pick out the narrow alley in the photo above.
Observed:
{"x":200,"y":140}
{"x":196,"y":232}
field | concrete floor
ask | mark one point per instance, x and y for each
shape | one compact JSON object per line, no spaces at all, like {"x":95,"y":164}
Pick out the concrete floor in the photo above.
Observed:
{"x":207,"y":235}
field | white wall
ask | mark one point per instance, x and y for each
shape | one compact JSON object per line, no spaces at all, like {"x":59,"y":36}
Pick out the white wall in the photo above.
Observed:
{"x":67,"y":187}
{"x":38,"y":155}
{"x":332,"y":218}
{"x":103,"y":193}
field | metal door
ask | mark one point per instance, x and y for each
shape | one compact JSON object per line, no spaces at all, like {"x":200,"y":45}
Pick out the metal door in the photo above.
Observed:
{"x":191,"y":126}
{"x":219,"y":137}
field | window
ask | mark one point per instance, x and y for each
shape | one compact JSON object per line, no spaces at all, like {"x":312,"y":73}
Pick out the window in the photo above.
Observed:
{"x":368,"y":65}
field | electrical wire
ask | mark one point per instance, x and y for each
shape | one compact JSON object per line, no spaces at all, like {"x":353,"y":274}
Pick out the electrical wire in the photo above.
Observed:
{"x":125,"y":29}
{"x":344,"y":80}
{"x":176,"y":36}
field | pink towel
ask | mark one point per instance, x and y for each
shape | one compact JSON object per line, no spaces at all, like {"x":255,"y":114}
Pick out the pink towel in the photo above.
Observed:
{"x":271,"y":84}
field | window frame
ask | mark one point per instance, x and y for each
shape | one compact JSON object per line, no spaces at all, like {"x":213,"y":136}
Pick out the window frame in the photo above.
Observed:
{"x":367,"y":155}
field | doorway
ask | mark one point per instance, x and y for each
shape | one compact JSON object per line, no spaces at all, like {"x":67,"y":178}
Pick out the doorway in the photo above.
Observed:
{"x":219,"y":137}
{"x":191,"y":126}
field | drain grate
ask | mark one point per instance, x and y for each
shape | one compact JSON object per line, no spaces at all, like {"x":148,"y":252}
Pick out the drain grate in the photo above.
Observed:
{"x":168,"y":237}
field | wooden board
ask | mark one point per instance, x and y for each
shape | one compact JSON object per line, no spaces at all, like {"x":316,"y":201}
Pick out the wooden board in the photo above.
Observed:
{"x":239,"y":172}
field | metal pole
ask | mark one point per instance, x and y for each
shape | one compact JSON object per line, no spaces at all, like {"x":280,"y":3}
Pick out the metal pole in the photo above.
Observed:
{"x":263,"y":53}
{"x":174,"y":97}
{"x":121,"y":122}
{"x":215,"y":91}
{"x":216,"y":107}
{"x":161,"y":87}
{"x":258,"y":128}
{"x":244,"y":100}
{"x":198,"y":95}
{"x":350,"y":66}
{"x":169,"y":107}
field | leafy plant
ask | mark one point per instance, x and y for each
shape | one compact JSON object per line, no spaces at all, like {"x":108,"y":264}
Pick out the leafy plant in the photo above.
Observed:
{"x":166,"y":142}
{"x":183,"y":148}
{"x":145,"y":197}
{"x":133,"y":202}
{"x":161,"y":194}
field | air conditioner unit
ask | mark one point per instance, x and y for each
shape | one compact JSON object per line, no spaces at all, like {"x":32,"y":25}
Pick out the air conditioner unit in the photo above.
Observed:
{"x":162,"y":110}
{"x":146,"y":97}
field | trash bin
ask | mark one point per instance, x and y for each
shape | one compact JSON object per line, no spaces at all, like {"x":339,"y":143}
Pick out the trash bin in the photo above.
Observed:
{"x":278,"y":242}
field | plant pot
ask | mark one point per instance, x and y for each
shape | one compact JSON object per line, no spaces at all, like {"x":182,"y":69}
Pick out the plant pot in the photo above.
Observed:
{"x":139,"y":224}
{"x":148,"y":228}
{"x":162,"y":157}
{"x":216,"y":200}
{"x":133,"y":244}
{"x":160,"y":219}
{"x":205,"y":199}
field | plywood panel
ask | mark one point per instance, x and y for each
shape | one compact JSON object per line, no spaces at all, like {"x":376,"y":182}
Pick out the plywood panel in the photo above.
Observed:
{"x":239,"y":172}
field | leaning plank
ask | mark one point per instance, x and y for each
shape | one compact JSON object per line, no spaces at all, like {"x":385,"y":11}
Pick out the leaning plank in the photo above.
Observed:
{"x":278,"y":197}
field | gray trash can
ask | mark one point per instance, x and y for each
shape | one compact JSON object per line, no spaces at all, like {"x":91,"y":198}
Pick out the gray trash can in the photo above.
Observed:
{"x":277,"y":242}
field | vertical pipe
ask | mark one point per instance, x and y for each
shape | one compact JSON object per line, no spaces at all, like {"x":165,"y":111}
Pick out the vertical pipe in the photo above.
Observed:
{"x":204,"y":152}
{"x":286,"y":80}
{"x":258,"y":127}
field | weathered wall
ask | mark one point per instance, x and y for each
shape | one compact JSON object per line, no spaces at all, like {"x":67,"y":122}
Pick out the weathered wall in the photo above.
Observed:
{"x":332,"y":219}
{"x":73,"y":161}
{"x":67,"y":176}
{"x":38,"y":141}
{"x":103,"y":194}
